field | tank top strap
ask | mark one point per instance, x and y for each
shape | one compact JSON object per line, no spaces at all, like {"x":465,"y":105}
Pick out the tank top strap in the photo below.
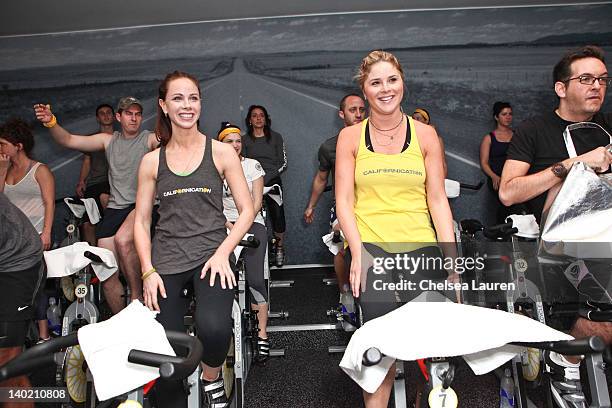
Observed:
{"x":366,"y":140}
{"x":208,"y":150}
{"x":162,"y":165}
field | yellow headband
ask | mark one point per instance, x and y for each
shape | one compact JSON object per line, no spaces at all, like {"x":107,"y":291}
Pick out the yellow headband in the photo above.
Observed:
{"x":423,"y":113}
{"x":227,"y":131}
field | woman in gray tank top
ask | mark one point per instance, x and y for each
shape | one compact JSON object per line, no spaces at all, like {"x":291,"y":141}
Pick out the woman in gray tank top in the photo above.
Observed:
{"x":190,"y":243}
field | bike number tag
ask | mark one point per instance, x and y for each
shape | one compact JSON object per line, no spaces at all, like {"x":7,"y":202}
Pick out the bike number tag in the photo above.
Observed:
{"x":80,"y":291}
{"x":520,"y":265}
{"x":442,"y":398}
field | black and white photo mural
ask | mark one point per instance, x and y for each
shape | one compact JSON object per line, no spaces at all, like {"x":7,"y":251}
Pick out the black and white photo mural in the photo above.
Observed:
{"x":457,"y":64}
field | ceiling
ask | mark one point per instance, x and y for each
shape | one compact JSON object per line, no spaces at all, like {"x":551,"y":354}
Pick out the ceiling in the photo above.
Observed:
{"x":27,"y":17}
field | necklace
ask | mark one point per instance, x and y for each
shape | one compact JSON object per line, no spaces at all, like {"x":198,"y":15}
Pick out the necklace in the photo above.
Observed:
{"x":391,"y":137}
{"x":390,"y":129}
{"x":185,"y":172}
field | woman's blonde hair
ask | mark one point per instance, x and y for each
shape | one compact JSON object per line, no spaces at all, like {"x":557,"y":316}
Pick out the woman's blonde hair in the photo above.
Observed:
{"x":372,"y":58}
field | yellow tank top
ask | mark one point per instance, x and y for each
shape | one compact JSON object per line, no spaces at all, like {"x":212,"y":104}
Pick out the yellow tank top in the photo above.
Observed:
{"x":390,"y":198}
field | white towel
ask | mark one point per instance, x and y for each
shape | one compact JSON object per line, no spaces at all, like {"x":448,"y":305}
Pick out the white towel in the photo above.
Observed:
{"x":334,"y":247}
{"x":526,"y":224}
{"x":90,"y":206}
{"x":441,"y":329}
{"x":452,"y":188}
{"x":66,"y":261}
{"x":106,"y":346}
{"x":274,"y":192}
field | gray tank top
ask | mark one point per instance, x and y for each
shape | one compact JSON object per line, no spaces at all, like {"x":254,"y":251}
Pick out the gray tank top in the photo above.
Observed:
{"x":191,"y":222}
{"x":124,"y":156}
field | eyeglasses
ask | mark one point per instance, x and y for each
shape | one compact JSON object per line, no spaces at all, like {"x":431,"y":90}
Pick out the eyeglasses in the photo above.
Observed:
{"x":590,"y":80}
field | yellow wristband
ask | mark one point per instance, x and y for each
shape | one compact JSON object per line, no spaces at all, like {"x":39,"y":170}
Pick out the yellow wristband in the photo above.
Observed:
{"x":149,"y":273}
{"x":51,"y":123}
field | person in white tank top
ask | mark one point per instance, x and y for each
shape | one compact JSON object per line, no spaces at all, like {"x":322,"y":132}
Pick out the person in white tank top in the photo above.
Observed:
{"x":29,"y":185}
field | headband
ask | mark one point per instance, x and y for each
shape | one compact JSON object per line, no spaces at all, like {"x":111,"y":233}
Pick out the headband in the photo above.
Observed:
{"x":423,"y":113}
{"x":227,"y":131}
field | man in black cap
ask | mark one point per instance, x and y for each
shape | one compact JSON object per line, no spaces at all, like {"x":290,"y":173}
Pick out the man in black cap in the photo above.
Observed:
{"x":124,"y":150}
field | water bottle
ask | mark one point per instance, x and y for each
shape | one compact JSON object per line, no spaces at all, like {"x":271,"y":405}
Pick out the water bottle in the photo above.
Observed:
{"x":506,"y":390}
{"x":54,"y":317}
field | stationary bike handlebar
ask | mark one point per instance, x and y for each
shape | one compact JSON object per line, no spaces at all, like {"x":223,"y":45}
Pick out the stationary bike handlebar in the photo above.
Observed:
{"x":92,"y":257}
{"x":40,"y":355}
{"x":170,"y":367}
{"x":587,"y":345}
{"x":499,"y":231}
{"x":250,"y":242}
{"x":467,"y":186}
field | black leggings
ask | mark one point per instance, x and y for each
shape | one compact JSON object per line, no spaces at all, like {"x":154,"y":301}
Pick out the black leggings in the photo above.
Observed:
{"x":254,"y":261}
{"x":213,"y":319}
{"x":376,"y":302}
{"x":276,"y":212}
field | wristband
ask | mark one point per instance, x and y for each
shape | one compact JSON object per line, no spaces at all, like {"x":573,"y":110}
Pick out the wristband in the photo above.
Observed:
{"x":149,"y":273}
{"x":51,"y":123}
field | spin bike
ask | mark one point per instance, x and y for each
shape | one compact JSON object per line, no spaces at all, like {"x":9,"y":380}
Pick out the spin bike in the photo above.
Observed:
{"x":241,"y":352}
{"x":526,"y":299}
{"x":438,"y":390}
{"x":170,"y":367}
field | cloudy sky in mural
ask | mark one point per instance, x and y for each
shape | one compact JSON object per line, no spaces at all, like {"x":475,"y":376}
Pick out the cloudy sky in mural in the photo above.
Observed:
{"x":320,"y":33}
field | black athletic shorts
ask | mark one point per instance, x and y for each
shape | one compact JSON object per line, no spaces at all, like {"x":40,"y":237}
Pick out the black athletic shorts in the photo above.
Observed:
{"x":19,"y":291}
{"x":114,"y":218}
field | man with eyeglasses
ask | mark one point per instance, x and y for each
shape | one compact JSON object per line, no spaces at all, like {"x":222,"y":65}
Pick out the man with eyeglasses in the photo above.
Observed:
{"x":538,"y":160}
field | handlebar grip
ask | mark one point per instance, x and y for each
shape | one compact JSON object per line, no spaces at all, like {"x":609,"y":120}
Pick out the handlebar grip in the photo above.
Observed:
{"x":499,"y":231}
{"x":92,"y":257}
{"x":35,"y":357}
{"x":250,"y":242}
{"x":371,"y":357}
{"x":171,"y":367}
{"x":472,"y":186}
{"x":587,"y":345}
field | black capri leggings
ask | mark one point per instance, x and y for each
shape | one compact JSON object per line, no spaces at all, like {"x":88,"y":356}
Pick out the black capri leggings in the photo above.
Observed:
{"x":276,"y":212}
{"x":254,"y":261}
{"x":213,"y":319}
{"x":375,"y":300}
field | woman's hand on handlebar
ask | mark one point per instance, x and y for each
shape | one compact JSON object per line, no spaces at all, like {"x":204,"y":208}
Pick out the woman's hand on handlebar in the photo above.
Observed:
{"x":219,"y":265}
{"x":150,"y":286}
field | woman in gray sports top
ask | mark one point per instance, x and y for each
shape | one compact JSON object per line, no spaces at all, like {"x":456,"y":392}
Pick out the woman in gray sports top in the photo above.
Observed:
{"x":191,"y":242}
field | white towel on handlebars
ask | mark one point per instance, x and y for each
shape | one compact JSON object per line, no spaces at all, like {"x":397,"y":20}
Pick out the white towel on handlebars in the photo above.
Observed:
{"x":526,"y":224}
{"x":274,"y":192}
{"x":441,"y":329}
{"x":334,"y":247}
{"x":90,"y":206}
{"x":68,"y":260}
{"x":106,"y":346}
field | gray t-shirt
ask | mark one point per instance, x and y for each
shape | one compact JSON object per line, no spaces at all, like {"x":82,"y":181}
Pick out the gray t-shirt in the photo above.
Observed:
{"x":124,"y":156}
{"x":20,"y":245}
{"x":269,"y":153}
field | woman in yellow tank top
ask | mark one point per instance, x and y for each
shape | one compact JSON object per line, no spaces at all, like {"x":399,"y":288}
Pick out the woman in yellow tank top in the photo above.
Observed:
{"x":389,"y":186}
